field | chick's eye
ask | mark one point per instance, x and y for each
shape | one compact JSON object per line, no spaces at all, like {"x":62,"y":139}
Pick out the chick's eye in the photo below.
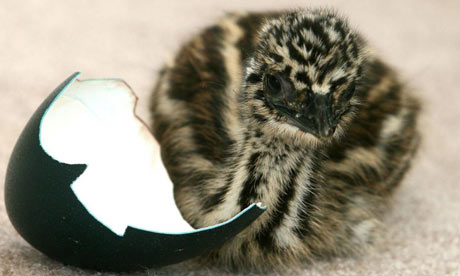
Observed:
{"x":272,"y":84}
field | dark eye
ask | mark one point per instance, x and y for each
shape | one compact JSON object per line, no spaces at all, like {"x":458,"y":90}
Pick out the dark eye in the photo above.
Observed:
{"x":348,"y":93}
{"x":272,"y":84}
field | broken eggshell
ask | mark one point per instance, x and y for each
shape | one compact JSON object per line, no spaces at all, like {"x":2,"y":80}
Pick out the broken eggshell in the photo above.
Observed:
{"x":85,"y":185}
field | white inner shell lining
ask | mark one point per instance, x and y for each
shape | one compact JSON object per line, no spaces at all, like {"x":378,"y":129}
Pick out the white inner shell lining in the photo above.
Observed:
{"x":92,"y":122}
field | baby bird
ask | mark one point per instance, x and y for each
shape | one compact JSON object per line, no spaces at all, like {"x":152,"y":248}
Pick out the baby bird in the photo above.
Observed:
{"x":291,"y":109}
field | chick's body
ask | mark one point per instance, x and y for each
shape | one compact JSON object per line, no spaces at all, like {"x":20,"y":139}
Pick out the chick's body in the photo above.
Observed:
{"x":289,"y":109}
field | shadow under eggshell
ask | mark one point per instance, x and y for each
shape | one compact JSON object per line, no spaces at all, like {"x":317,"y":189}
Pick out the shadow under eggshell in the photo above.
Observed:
{"x":46,"y":212}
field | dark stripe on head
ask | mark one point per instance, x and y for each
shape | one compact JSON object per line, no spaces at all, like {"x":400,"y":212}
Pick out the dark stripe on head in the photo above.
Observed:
{"x":296,"y":55}
{"x":259,"y":95}
{"x":254,"y":78}
{"x":276,"y":57}
{"x":303,"y":77}
{"x":327,"y":69}
{"x":318,"y":30}
{"x":354,"y":50}
{"x":287,"y":71}
{"x":338,"y":82}
{"x":338,"y":27}
{"x":260,"y":118}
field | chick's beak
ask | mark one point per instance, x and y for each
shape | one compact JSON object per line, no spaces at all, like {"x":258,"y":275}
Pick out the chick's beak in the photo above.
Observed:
{"x":321,"y":112}
{"x":316,"y":117}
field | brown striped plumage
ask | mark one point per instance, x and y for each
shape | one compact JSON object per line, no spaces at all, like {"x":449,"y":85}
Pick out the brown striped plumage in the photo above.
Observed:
{"x":225,"y":145}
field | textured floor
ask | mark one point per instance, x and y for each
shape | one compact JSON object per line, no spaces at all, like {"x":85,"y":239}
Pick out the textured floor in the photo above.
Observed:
{"x":42,"y":42}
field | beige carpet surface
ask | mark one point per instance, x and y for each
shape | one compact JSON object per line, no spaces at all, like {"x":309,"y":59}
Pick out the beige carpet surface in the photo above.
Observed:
{"x":43,"y":42}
